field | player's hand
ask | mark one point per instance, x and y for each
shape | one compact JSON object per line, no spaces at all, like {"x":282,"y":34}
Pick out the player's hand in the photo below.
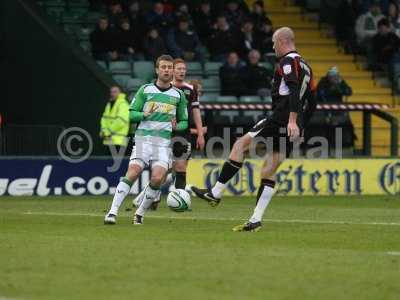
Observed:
{"x":150,"y":111}
{"x":200,"y":142}
{"x":173,"y":122}
{"x":293,"y":130}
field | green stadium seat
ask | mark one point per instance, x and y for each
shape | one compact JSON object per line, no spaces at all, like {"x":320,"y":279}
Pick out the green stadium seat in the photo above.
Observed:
{"x":102,"y":64}
{"x":208,"y":98}
{"x":144,"y":70}
{"x":227,"y":99}
{"x":86,"y":46}
{"x":211,"y":85}
{"x":120,"y":67}
{"x":212,"y":68}
{"x":249,"y":98}
{"x":267,"y":65}
{"x":194,"y":69}
{"x":73,"y":17}
{"x":134,"y":84}
{"x":122,"y":80}
{"x":267,"y":99}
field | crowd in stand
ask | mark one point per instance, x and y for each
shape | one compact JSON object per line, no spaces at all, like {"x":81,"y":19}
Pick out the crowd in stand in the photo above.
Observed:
{"x":182,"y":29}
{"x":369,"y":27}
{"x":231,"y":34}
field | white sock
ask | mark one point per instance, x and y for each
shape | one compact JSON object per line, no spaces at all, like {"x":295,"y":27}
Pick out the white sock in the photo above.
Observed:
{"x":139,"y":198}
{"x":121,"y":192}
{"x":218,"y":189}
{"x":149,"y":196}
{"x":262,"y":204}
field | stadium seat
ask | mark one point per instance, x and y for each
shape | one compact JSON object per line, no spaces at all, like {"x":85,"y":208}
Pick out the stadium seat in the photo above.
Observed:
{"x":144,"y":70}
{"x":267,"y":65}
{"x":249,"y":98}
{"x":133,"y":84}
{"x":120,"y":67}
{"x":267,"y":99}
{"x":194,"y":69}
{"x":122,"y":80}
{"x":102,"y":64}
{"x":86,"y":46}
{"x":72,"y":17}
{"x":211,"y":85}
{"x":209,"y":98}
{"x":212,"y":68}
{"x":54,"y":3}
{"x":227,"y":99}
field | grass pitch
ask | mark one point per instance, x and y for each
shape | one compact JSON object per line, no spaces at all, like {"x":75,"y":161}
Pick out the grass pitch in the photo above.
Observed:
{"x":309,"y":248}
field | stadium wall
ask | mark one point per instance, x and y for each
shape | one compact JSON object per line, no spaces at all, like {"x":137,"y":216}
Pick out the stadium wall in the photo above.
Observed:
{"x":355,"y":177}
{"x":48,"y":80}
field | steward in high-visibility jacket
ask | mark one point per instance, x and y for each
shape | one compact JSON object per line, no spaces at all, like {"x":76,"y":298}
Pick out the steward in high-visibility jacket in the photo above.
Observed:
{"x":115,"y":120}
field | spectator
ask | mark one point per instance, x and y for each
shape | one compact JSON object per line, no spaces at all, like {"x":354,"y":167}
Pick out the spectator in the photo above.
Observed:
{"x":184,"y":43}
{"x":222,"y":41}
{"x":367,"y":24}
{"x":231,"y":76}
{"x":258,"y":15}
{"x":204,"y":21}
{"x":247,"y":39}
{"x":394,"y":18}
{"x":153,"y":45}
{"x":332,"y":87}
{"x":234,"y":14}
{"x":346,"y":14}
{"x":136,"y":18}
{"x":264,"y":38}
{"x":115,"y":13}
{"x":115,"y":121}
{"x":158,"y":18}
{"x":183,"y":13}
{"x":127,"y":40}
{"x":256,"y":77}
{"x":102,"y":40}
{"x":384,"y":45}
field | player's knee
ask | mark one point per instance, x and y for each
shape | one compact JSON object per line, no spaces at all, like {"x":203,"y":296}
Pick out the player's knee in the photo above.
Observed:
{"x":180,"y":166}
{"x":157,"y":179}
{"x":133,"y":172}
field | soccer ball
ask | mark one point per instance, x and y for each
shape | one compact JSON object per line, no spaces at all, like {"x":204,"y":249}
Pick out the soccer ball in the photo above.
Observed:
{"x":179,"y":200}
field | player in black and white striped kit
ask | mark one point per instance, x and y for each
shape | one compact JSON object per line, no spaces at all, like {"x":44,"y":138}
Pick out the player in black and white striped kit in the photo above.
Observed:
{"x":293,"y":102}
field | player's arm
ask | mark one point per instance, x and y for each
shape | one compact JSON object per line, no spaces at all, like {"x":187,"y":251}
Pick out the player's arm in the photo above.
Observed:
{"x":290,"y":75}
{"x":136,"y":113}
{"x":197,"y":120}
{"x":182,"y":113}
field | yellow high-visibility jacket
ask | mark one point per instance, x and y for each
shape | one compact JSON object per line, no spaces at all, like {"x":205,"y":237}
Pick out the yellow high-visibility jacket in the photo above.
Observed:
{"x":115,"y":122}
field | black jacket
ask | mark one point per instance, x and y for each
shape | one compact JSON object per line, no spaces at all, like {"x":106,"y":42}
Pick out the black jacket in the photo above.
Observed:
{"x":256,"y":77}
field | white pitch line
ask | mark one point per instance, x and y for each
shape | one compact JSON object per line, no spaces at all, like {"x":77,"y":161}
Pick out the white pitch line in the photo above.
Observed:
{"x":303,"y":221}
{"x":394,"y":253}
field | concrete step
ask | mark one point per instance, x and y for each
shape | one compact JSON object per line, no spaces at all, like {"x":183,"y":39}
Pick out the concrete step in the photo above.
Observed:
{"x":382,"y":99}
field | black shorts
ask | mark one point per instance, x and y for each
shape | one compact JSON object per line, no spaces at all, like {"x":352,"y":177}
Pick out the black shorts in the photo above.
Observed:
{"x":181,"y":148}
{"x":275,"y":136}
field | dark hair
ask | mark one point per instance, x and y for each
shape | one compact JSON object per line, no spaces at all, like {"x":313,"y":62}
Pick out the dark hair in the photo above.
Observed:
{"x":383,"y":22}
{"x":164,"y":57}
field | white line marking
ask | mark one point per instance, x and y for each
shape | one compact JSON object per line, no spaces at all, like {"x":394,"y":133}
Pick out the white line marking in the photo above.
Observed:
{"x":395,"y":253}
{"x":303,"y":221}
